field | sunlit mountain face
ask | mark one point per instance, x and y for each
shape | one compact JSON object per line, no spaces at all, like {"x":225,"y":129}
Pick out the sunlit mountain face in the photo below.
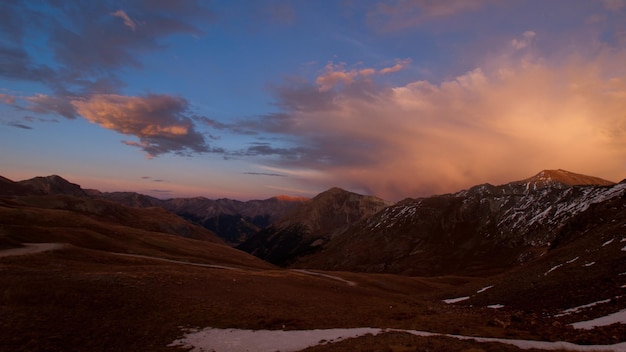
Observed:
{"x":246,"y":101}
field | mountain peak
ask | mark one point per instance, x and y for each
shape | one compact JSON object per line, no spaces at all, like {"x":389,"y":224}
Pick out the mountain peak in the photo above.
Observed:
{"x":548,"y":178}
{"x":53,"y":184}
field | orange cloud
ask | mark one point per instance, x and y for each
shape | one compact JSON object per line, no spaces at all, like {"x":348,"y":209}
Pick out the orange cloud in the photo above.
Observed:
{"x":399,"y":66}
{"x":158,"y":121}
{"x":503,"y":121}
{"x":335,"y":74}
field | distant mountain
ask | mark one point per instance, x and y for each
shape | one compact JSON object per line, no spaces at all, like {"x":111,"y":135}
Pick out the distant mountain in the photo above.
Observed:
{"x":234,"y":221}
{"x":53,"y":184}
{"x":39,"y":186}
{"x":11,"y":188}
{"x":310,"y":225}
{"x":481,"y":230}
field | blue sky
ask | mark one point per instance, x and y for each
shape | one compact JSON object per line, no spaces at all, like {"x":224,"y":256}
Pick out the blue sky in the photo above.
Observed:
{"x":249,"y":100}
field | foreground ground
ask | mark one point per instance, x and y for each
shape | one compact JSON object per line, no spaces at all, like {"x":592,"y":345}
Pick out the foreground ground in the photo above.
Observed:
{"x":71,"y":298}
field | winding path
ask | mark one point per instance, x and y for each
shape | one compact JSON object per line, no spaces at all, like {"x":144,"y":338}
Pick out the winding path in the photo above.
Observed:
{"x":31,"y":248}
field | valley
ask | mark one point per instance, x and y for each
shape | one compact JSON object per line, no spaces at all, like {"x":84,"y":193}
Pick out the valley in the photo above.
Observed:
{"x":111,"y":276}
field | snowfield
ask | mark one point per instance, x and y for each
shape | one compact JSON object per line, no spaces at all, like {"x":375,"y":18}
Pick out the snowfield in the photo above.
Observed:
{"x":236,"y":340}
{"x":617,"y":317}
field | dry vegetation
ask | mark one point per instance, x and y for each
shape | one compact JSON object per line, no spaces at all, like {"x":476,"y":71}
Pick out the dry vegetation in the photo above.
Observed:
{"x":84,"y":297}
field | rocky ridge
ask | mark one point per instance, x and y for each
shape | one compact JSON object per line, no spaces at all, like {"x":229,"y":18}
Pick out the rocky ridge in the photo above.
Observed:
{"x":477,"y":230}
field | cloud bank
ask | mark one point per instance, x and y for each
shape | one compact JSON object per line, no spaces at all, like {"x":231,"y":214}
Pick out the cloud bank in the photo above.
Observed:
{"x":517,"y":113}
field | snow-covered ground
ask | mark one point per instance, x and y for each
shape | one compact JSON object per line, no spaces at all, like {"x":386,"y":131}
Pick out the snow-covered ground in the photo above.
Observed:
{"x":579,"y":308}
{"x":235,"y":340}
{"x":617,"y":317}
{"x":456,"y":300}
{"x":484,"y":289}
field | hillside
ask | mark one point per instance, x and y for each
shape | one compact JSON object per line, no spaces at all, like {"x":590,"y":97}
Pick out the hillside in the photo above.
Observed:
{"x":482,"y":230}
{"x":312,"y":224}
{"x":233,"y":221}
{"x":516,"y":265}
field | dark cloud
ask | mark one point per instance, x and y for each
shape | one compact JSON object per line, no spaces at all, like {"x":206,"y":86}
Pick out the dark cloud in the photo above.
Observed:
{"x":19,"y":125}
{"x":16,"y":64}
{"x":299,"y":95}
{"x":161,"y":191}
{"x":264,"y":174}
{"x":89,"y":41}
{"x":235,"y":128}
{"x":265,"y":149}
{"x":151,"y":179}
{"x":60,"y":105}
{"x":92,"y":36}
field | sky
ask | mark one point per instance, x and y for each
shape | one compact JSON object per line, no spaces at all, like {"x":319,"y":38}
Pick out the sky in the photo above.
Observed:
{"x":252,"y":99}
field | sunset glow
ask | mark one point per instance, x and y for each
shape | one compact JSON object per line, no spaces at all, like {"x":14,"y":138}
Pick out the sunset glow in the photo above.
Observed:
{"x":249,"y":100}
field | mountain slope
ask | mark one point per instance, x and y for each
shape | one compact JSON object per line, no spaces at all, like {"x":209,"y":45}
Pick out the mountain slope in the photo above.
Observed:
{"x":481,"y":230}
{"x":311,"y":224}
{"x":53,"y":184}
{"x":234,"y":221}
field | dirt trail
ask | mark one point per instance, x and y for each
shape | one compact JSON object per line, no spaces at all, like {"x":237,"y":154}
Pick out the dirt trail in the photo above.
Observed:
{"x":31,"y":248}
{"x":213,"y":266}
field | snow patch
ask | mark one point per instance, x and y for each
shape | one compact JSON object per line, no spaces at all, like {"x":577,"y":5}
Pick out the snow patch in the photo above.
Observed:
{"x":552,"y":269}
{"x":484,"y":289}
{"x":236,"y":340}
{"x":589,"y":264}
{"x":495,"y":306}
{"x":455,"y":300}
{"x":617,"y":317}
{"x":572,"y":260}
{"x":608,"y":242}
{"x":579,"y":308}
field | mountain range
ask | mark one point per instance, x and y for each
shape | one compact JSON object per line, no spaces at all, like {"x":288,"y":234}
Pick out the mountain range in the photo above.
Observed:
{"x":484,"y":229}
{"x":529,"y":259}
{"x":234,"y":221}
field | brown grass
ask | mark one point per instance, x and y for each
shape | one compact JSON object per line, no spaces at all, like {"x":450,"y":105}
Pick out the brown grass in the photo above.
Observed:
{"x":83,"y":298}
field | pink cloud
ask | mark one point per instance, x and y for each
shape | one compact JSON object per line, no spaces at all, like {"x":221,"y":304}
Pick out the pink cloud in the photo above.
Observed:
{"x":128,"y":22}
{"x":333,"y":75}
{"x":7,"y":99}
{"x":524,"y":41}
